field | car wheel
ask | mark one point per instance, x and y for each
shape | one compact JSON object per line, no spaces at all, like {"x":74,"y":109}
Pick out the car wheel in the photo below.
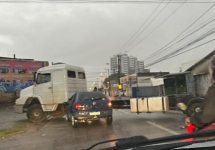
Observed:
{"x":73,"y":121}
{"x":109,"y":120}
{"x":35,"y":114}
{"x":68,"y":116}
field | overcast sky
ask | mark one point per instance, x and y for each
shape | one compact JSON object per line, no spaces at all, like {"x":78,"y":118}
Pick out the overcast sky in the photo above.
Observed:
{"x":88,"y":35}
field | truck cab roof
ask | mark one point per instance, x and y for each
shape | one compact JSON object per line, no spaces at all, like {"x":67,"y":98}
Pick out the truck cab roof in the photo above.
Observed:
{"x":60,"y":66}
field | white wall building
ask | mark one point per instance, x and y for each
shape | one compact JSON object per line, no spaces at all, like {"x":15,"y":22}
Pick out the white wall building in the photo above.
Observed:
{"x":128,"y":65}
{"x":124,"y":63}
{"x":113,"y":64}
{"x":140,"y":66}
{"x":133,"y":65}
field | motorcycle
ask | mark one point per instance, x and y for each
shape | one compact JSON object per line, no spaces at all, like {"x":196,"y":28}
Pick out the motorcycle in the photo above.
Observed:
{"x":189,"y":126}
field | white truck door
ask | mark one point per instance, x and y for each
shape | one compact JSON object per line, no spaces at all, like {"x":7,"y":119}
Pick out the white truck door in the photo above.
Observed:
{"x":59,"y":86}
{"x":44,"y":88}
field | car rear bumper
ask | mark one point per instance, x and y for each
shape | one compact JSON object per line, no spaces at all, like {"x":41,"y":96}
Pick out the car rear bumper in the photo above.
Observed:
{"x":84,"y":115}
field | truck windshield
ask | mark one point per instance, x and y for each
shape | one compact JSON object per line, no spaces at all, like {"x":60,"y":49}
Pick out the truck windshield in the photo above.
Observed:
{"x":43,"y":78}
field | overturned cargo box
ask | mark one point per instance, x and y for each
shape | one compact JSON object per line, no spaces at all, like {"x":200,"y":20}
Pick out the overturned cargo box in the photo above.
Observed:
{"x":152,"y":104}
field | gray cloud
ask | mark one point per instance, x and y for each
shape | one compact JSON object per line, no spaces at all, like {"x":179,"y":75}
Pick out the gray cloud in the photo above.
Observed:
{"x":88,"y":34}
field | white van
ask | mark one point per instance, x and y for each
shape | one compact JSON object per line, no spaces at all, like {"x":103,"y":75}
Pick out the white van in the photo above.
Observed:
{"x":53,"y":86}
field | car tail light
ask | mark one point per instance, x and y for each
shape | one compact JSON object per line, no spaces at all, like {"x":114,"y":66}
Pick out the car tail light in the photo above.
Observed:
{"x":109,"y":104}
{"x":77,"y":106}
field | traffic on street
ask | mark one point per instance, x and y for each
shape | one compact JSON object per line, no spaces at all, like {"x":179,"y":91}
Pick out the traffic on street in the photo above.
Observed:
{"x":107,"y":74}
{"x":59,"y":134}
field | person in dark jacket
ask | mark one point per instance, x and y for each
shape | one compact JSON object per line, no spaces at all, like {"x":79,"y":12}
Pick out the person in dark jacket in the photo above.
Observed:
{"x":207,"y":114}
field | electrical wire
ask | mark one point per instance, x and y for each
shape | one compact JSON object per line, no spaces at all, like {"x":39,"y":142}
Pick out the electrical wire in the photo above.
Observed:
{"x":138,"y":31}
{"x":187,"y":45}
{"x":148,"y":25}
{"x":106,"y":1}
{"x":165,"y":47}
{"x":159,"y":25}
{"x":192,"y":48}
{"x":196,"y":30}
{"x":182,"y":48}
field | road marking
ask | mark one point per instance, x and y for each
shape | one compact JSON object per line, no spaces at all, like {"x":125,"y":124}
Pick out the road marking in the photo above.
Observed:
{"x":155,"y":125}
{"x":162,"y":128}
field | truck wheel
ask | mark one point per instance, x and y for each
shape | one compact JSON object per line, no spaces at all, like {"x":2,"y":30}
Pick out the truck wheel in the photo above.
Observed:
{"x":73,"y":121}
{"x":193,"y":108}
{"x":109,"y":120}
{"x":35,"y":114}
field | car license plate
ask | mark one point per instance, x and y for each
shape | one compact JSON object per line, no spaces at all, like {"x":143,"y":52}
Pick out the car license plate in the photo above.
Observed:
{"x":94,"y":113}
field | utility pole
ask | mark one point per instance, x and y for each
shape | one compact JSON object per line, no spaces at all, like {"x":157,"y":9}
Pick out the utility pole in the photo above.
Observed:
{"x":119,"y":73}
{"x":119,"y":68}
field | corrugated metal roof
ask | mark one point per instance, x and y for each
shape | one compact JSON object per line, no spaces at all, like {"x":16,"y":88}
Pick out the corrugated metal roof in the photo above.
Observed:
{"x":154,"y":74}
{"x":175,"y":74}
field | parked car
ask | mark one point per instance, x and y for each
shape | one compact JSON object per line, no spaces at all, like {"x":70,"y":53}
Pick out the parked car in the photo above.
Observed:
{"x":87,"y":107}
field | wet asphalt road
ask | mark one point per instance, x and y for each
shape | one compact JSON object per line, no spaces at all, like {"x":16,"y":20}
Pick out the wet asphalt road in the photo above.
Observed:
{"x":58,"y":134}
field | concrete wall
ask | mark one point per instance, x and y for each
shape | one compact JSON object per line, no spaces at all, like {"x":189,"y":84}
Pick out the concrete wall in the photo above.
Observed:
{"x":202,"y":82}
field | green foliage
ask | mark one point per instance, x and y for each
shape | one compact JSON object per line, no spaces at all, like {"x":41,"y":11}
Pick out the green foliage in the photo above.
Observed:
{"x":10,"y":131}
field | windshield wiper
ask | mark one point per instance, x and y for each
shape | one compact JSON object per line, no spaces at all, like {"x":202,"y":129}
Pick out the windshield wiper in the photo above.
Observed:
{"x":139,"y":141}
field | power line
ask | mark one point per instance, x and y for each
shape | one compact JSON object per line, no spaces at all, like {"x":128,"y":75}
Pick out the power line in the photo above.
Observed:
{"x":165,"y":47}
{"x":182,"y":48}
{"x":105,"y":1}
{"x":152,"y":20}
{"x":191,"y":43}
{"x":192,"y":48}
{"x":137,"y":32}
{"x":185,"y":51}
{"x":196,"y":30}
{"x":201,"y":27}
{"x":159,"y":25}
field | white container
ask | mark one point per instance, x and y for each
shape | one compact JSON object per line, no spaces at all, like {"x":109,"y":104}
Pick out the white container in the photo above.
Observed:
{"x":137,"y":108}
{"x":153,"y":104}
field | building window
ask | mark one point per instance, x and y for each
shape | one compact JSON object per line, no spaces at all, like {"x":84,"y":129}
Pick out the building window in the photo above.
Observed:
{"x":81,"y":75}
{"x":71,"y":74}
{"x":43,"y":78}
{"x":20,"y":70}
{"x":4,"y":70}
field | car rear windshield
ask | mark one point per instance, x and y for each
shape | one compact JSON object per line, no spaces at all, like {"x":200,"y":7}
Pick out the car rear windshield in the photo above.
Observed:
{"x":91,"y":96}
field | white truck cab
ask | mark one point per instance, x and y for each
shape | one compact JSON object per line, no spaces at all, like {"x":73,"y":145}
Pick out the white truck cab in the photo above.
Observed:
{"x":53,"y":86}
